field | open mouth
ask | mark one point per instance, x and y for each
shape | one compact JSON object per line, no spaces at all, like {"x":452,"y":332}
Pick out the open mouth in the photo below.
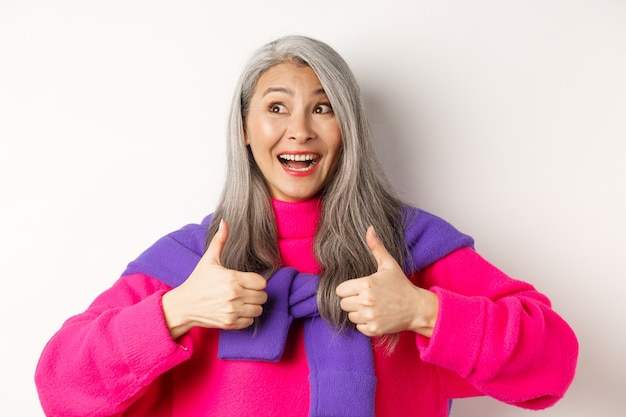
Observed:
{"x":298,"y":162}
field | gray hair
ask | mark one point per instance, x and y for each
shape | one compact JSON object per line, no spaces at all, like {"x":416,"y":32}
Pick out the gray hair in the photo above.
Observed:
{"x":357,"y":196}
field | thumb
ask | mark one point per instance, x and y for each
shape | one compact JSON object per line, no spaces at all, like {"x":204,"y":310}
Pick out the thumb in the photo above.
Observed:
{"x":382,"y":256}
{"x":213,"y":253}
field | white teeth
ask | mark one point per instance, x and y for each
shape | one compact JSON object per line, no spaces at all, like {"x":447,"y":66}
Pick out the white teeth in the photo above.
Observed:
{"x":312,"y":159}
{"x":291,"y":157}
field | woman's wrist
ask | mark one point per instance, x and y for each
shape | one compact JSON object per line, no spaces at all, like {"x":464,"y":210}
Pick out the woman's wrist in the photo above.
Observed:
{"x":426,"y":311}
{"x":175,"y":319}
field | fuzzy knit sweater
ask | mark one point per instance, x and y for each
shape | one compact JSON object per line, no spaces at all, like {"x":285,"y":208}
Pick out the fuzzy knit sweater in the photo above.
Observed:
{"x":494,"y":336}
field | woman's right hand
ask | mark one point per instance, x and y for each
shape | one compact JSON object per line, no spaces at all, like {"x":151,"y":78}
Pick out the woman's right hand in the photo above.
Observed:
{"x":214,"y":296}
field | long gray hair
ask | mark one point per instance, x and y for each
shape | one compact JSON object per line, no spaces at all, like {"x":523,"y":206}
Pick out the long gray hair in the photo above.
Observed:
{"x":357,"y":196}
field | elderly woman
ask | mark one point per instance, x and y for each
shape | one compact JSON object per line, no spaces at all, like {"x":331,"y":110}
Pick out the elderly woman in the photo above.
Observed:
{"x":312,"y":289}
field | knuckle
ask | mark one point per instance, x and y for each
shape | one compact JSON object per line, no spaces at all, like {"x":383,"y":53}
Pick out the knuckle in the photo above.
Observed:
{"x":233,"y":322}
{"x":242,"y":323}
{"x":374,"y":329}
{"x":369,"y":316}
{"x":368,"y":299}
{"x":369,"y":329}
{"x":230,"y":309}
{"x":229,"y":324}
{"x":232,"y":293}
{"x":363,"y":328}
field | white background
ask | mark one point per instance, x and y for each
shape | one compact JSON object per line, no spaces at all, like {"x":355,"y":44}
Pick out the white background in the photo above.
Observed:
{"x":507,"y":118}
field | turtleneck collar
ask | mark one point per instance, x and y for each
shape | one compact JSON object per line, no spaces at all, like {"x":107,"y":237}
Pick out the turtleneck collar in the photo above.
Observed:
{"x":297,"y":220}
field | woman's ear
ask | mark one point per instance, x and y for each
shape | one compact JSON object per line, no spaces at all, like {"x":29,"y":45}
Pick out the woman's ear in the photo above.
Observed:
{"x":245,"y":134}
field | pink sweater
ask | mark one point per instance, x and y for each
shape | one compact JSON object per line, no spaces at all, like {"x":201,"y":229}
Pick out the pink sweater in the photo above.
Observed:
{"x":494,"y":336}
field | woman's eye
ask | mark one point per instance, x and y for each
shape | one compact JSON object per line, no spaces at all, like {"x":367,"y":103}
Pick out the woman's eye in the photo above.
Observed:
{"x":323,"y":109}
{"x":277,"y":108}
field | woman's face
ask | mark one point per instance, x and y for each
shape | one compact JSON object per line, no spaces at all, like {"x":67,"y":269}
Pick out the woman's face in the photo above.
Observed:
{"x":292,"y":132}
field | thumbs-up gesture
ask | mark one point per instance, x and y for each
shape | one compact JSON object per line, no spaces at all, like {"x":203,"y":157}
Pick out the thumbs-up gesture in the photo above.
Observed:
{"x":214,"y":296}
{"x":387,"y":302}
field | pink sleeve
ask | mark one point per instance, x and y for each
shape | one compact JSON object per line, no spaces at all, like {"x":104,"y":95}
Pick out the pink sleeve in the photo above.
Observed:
{"x":103,"y":359}
{"x":498,"y":334}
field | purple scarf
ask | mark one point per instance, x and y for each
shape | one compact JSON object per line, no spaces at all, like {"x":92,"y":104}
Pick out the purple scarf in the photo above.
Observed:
{"x":342,"y":380}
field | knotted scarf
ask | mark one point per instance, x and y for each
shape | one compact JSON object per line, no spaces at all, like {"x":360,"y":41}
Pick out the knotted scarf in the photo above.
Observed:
{"x":341,"y":365}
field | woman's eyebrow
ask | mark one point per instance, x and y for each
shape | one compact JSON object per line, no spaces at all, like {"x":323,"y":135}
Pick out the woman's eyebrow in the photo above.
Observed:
{"x":283,"y":90}
{"x":319,"y":92}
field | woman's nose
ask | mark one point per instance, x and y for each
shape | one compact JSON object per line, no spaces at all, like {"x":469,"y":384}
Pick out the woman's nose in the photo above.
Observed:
{"x":300,"y":128}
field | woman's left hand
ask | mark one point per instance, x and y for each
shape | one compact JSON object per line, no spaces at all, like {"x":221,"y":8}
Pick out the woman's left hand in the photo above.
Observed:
{"x":387,"y":302}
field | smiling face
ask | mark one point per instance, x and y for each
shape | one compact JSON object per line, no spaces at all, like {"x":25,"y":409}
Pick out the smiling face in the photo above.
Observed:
{"x":292,"y":132}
